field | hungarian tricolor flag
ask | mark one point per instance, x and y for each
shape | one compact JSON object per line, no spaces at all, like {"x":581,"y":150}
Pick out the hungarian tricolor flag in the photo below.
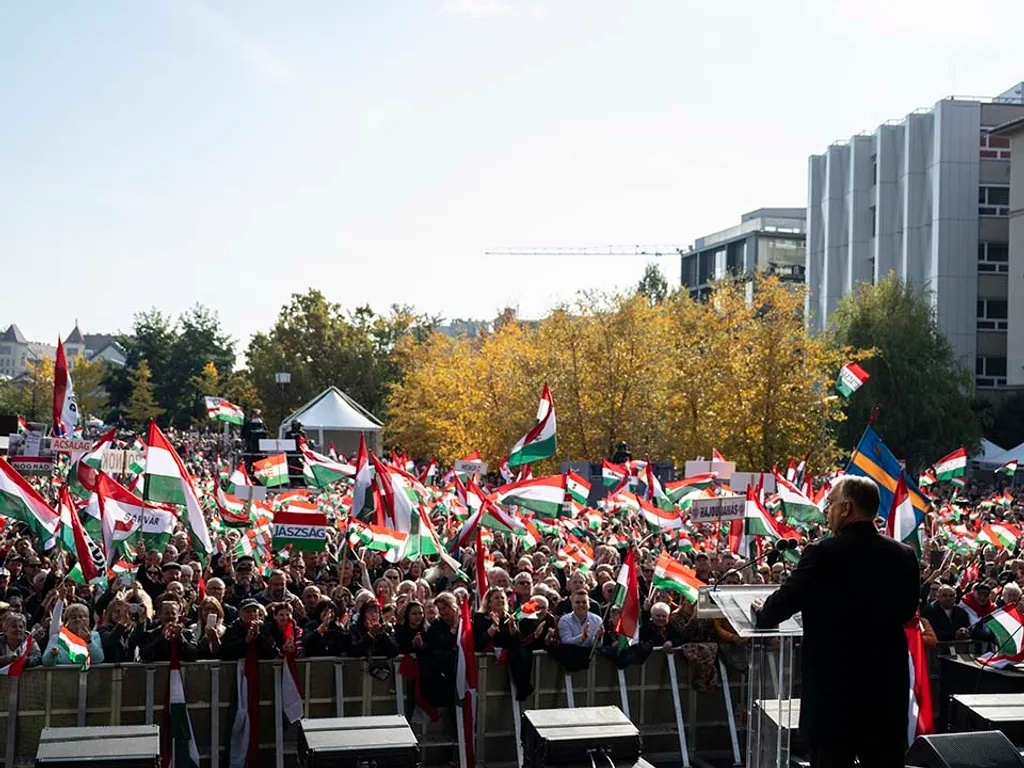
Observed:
{"x":20,"y":501}
{"x":670,"y":574}
{"x":400,"y":492}
{"x":179,"y":749}
{"x":1007,"y":627}
{"x":322,"y":469}
{"x":545,"y":496}
{"x":903,"y":521}
{"x":658,"y":519}
{"x":233,"y":510}
{"x":167,"y":481}
{"x":92,"y":563}
{"x":76,"y":648}
{"x":16,"y":667}
{"x":244,"y":716}
{"x":851,"y":378}
{"x":362,"y":496}
{"x":920,"y":720}
{"x":796,"y":507}
{"x":291,"y":693}
{"x":466,"y":677}
{"x":540,"y":442}
{"x":82,"y":475}
{"x":716,"y":456}
{"x":953,"y":465}
{"x":1009,"y":468}
{"x":627,"y":599}
{"x":677,"y":489}
{"x":239,"y":481}
{"x":999,"y":535}
{"x":65,"y":409}
{"x":219,"y":409}
{"x":612,"y":475}
{"x":303,"y":531}
{"x":271,"y":471}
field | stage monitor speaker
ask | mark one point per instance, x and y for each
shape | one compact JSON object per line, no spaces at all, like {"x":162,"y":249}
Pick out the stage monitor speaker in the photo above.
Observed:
{"x":1002,"y":712}
{"x":567,"y":737}
{"x":982,"y":749}
{"x":384,"y":741}
{"x":124,"y":746}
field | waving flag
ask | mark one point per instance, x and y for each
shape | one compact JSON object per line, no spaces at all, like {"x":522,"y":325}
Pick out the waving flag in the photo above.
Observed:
{"x":65,"y":408}
{"x":219,"y":409}
{"x":953,"y":465}
{"x":540,"y":442}
{"x":627,"y":599}
{"x":362,"y":502}
{"x":872,"y":458}
{"x":324,"y":470}
{"x":920,"y":720}
{"x":271,"y":471}
{"x":239,"y":481}
{"x":75,"y":647}
{"x":545,"y":496}
{"x":851,"y":378}
{"x":20,"y":501}
{"x":16,"y":667}
{"x":401,"y":494}
{"x":179,"y":740}
{"x":903,"y":520}
{"x":795,"y":505}
{"x":1009,"y":468}
{"x":1007,"y":627}
{"x":92,"y":563}
{"x":670,"y":574}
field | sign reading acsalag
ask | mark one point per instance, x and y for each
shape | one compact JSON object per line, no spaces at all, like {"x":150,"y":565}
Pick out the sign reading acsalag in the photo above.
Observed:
{"x":305,"y":531}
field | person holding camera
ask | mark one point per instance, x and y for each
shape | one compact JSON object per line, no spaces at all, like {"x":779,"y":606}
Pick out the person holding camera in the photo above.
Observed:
{"x":169,"y":627}
{"x":208,"y":629}
{"x":121,"y":630}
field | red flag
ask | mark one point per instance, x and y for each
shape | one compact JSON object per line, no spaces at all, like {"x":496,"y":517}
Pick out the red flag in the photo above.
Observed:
{"x":15,"y":668}
{"x":466,"y":681}
{"x":481,"y":573}
{"x":920,"y":718}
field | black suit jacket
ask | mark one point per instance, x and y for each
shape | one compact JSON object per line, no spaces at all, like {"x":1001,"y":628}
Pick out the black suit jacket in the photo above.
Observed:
{"x":946,"y":626}
{"x":856,"y":592}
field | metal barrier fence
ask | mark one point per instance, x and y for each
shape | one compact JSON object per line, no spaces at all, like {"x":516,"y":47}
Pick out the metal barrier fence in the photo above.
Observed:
{"x":677,"y":721}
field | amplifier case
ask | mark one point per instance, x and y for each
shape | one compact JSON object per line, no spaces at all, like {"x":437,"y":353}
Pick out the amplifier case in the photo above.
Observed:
{"x":386,"y":741}
{"x":563,"y":737}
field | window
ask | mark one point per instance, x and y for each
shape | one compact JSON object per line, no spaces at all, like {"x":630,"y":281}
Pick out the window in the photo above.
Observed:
{"x":5,"y":350}
{"x":990,"y":372}
{"x":992,"y":314}
{"x":874,"y":221}
{"x":994,"y":147}
{"x":874,"y":169}
{"x":994,"y":200}
{"x":993,"y":257}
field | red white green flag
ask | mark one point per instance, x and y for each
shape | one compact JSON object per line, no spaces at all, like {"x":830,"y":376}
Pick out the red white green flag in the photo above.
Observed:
{"x":795,"y":505}
{"x":1007,"y":627}
{"x":219,"y":409}
{"x":323,"y":469}
{"x":953,"y":465}
{"x":851,"y":378}
{"x":627,"y":599}
{"x":541,"y":441}
{"x":303,"y":531}
{"x":20,"y":501}
{"x":1009,"y":468}
{"x":670,"y":574}
{"x":545,"y":496}
{"x":271,"y":471}
{"x":75,"y":647}
{"x":999,"y":535}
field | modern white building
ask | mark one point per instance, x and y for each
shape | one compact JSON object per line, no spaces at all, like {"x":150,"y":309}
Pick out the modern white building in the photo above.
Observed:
{"x":927,"y":196}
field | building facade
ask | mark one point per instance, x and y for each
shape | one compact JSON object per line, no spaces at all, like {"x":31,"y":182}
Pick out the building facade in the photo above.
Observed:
{"x":17,"y":352}
{"x":1013,"y":132}
{"x":770,"y":240}
{"x":928,"y":197}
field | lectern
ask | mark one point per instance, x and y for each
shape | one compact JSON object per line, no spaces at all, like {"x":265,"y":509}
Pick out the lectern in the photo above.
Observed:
{"x":771,"y":710}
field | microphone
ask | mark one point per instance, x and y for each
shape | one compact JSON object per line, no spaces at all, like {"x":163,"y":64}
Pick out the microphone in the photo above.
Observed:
{"x":782,"y":545}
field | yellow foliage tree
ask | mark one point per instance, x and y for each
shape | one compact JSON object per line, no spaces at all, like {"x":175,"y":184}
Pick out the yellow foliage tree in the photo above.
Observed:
{"x":673,"y":378}
{"x":87,"y":378}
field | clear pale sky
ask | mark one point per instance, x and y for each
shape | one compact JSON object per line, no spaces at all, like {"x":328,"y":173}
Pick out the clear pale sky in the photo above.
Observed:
{"x":232,"y":152}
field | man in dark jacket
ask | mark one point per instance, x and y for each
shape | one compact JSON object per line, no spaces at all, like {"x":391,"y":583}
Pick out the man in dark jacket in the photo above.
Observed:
{"x":949,"y":620}
{"x":855,"y":590}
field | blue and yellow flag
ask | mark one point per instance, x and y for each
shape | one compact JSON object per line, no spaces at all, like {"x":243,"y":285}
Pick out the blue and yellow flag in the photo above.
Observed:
{"x":873,"y":459}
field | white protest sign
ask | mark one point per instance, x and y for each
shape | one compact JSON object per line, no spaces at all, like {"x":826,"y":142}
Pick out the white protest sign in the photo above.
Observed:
{"x":469,"y":467}
{"x":723,"y":468}
{"x":276,"y":446}
{"x":33,"y":444}
{"x":740,"y":480}
{"x":718,"y":508}
{"x":31,"y":465}
{"x":117,"y":462}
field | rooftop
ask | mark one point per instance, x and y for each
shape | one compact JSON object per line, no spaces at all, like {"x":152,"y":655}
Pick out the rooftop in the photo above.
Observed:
{"x":14,"y":334}
{"x":781,"y":220}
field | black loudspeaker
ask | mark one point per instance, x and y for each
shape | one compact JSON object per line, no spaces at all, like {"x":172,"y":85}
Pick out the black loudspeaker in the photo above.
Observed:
{"x":124,"y":746}
{"x":570,"y":737}
{"x":1002,"y":712}
{"x":384,"y":741}
{"x":983,"y":749}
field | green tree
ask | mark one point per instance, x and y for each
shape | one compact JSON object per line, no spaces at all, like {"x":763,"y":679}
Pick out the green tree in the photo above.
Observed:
{"x":922,"y":391}
{"x":653,"y":284}
{"x":142,"y":405}
{"x":320,"y":345}
{"x":238,"y":389}
{"x":87,"y":377}
{"x":151,"y":339}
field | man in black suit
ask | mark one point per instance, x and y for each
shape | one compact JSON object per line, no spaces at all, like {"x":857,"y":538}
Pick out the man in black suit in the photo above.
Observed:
{"x":856,"y":591}
{"x":948,"y":619}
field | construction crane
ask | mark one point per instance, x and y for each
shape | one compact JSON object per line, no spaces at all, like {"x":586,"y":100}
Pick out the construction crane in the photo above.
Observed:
{"x":597,"y":250}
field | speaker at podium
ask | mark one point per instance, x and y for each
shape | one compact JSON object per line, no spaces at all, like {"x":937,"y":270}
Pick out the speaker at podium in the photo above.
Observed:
{"x":773,"y":713}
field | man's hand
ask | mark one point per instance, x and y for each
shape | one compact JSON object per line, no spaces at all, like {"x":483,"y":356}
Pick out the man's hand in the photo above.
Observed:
{"x":417,"y":641}
{"x":586,"y":632}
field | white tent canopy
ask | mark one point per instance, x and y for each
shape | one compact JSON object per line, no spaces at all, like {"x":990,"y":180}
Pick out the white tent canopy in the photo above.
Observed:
{"x":998,"y":459}
{"x":334,"y":417}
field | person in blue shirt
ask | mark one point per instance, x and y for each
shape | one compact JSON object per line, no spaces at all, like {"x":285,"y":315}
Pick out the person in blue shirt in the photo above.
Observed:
{"x":580,"y":627}
{"x":76,"y":619}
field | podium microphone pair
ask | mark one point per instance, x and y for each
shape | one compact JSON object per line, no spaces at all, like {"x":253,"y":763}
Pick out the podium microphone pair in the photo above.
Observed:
{"x":782,"y":545}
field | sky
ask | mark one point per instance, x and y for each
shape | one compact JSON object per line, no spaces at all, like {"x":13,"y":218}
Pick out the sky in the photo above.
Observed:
{"x":234,"y":152}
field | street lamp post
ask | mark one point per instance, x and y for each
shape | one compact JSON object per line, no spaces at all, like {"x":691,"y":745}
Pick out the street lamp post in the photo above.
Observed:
{"x":282,"y":379}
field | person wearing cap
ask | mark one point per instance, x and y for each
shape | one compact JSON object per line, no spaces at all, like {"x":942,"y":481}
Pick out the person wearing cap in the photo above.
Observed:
{"x":243,"y":638}
{"x":6,"y":591}
{"x":242,"y":587}
{"x":155,"y":643}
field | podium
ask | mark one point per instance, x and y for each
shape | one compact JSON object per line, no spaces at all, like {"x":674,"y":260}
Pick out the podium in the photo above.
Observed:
{"x":771,"y":711}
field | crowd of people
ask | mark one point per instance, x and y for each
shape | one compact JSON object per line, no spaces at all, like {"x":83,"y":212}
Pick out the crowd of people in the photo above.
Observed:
{"x":351,"y":601}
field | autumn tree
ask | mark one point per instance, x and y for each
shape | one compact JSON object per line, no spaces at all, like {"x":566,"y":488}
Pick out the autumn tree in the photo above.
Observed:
{"x":653,"y":285}
{"x":87,"y":378}
{"x":672,"y":378}
{"x":142,"y":405}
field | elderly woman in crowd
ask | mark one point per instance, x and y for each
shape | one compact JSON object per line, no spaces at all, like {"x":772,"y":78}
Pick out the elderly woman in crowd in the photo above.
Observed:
{"x":76,"y":621}
{"x":121,"y":630}
{"x":16,"y":640}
